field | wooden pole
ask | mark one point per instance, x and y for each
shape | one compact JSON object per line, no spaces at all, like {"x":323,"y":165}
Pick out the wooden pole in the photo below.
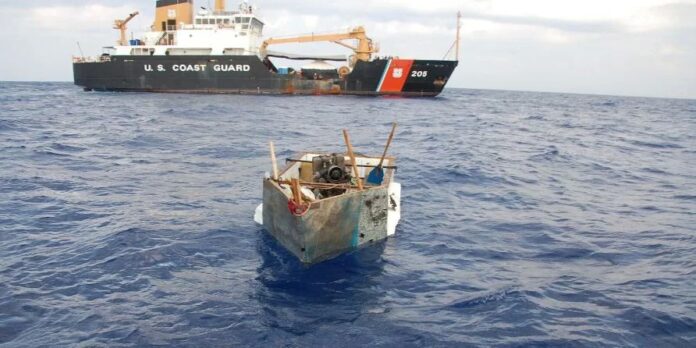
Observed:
{"x":296,"y":191}
{"x":274,"y":161}
{"x":347,"y":164}
{"x":352,"y":159}
{"x":319,"y":185}
{"x":391,"y":136}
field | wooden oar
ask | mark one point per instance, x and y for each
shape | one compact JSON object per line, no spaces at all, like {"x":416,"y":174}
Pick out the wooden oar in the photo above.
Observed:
{"x":376,"y":175}
{"x":352,"y":159}
{"x":319,"y":185}
{"x":348,"y":164}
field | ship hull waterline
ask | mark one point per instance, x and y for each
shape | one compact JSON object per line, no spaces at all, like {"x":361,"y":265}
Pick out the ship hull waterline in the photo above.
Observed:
{"x":249,"y":75}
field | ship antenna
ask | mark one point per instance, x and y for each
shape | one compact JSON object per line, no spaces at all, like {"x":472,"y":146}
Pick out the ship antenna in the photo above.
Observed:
{"x":80,"y":48}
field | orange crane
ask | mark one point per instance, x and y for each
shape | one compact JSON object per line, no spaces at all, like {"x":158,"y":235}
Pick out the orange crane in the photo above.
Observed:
{"x":363,"y":51}
{"x":121,"y":26}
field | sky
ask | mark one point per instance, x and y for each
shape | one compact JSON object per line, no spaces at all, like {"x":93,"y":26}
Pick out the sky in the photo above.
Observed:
{"x":611,"y":47}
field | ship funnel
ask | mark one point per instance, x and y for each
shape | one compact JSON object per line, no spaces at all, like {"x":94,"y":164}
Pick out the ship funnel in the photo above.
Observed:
{"x":219,"y":5}
{"x":170,"y":14}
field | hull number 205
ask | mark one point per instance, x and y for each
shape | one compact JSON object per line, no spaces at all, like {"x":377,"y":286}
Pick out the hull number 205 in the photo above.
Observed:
{"x":419,"y":73}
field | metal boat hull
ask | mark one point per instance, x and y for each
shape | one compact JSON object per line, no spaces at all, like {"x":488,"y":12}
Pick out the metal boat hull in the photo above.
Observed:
{"x":249,"y":75}
{"x":331,"y":226}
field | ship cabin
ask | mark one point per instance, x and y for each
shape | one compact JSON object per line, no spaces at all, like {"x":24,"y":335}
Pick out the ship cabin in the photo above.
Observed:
{"x":179,"y":30}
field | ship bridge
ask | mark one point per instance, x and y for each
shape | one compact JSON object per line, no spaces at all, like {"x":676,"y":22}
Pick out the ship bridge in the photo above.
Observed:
{"x":179,"y":30}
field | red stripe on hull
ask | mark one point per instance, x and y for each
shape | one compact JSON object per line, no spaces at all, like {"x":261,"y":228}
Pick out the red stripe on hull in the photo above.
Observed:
{"x":396,"y":76}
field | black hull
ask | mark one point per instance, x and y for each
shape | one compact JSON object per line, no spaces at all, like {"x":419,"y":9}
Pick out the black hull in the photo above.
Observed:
{"x":249,"y":75}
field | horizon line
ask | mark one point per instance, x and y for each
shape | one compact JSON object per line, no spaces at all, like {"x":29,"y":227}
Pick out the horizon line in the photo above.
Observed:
{"x":449,"y":88}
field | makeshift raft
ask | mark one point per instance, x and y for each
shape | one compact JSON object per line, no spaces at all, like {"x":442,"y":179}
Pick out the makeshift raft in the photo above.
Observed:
{"x":320,"y":205}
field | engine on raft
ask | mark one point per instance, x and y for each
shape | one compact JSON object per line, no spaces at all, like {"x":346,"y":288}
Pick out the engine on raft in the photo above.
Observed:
{"x":330,"y":169}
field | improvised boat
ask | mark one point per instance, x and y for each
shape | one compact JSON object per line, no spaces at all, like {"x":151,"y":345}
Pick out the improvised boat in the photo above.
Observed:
{"x":322,"y":205}
{"x":221,"y":51}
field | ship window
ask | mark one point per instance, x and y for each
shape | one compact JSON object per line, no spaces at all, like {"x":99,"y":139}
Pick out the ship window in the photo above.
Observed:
{"x":219,"y":21}
{"x":233,"y":51}
{"x":245,"y":26}
{"x":238,"y":20}
{"x":246,"y":20}
{"x":142,"y":51}
{"x":227,"y":21}
{"x":198,"y":21}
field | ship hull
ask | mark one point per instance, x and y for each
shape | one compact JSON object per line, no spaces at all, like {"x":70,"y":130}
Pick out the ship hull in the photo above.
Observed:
{"x":249,"y":75}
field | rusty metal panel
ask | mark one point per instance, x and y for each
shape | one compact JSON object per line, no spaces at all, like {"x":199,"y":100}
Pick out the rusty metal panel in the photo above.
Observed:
{"x":332,"y":229}
{"x":331,"y":226}
{"x":334,"y":226}
{"x":373,"y":216}
{"x":278,"y":220}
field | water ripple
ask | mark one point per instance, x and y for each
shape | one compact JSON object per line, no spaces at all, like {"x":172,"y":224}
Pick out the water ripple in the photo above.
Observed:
{"x":529,"y":219}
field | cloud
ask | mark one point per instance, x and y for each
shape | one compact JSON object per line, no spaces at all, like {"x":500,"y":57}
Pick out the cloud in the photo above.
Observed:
{"x":81,"y":18}
{"x":677,"y":15}
{"x":573,"y":16}
{"x":563,"y":25}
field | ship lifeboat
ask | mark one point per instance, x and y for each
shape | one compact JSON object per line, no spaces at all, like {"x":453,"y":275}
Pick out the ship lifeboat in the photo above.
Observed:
{"x":319,"y":70}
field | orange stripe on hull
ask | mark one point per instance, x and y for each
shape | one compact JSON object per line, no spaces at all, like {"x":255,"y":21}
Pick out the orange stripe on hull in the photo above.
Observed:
{"x":396,"y":75}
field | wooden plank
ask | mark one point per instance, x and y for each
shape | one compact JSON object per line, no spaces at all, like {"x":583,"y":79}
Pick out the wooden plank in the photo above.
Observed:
{"x":274,"y":162}
{"x":296,"y":193}
{"x":352,"y":160}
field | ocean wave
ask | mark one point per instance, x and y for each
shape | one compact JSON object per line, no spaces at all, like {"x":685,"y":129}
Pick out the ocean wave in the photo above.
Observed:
{"x":528,"y":219}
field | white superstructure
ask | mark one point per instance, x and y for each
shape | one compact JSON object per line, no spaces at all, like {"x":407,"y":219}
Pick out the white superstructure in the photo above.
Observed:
{"x":208,"y":32}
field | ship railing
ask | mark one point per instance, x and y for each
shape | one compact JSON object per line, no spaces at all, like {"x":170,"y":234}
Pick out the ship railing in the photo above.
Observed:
{"x":97,"y":59}
{"x":226,"y":13}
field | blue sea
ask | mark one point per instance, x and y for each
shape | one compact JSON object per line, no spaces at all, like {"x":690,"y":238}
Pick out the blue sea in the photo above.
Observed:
{"x":529,"y":219}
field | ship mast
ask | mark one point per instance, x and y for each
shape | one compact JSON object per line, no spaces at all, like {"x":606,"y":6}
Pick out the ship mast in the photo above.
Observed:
{"x":459,"y":27}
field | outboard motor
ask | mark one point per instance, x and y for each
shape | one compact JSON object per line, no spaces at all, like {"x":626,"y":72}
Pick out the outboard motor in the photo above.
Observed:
{"x":331,"y":170}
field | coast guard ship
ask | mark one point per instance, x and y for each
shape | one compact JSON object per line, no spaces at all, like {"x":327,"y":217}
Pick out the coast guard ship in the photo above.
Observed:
{"x":223,"y":51}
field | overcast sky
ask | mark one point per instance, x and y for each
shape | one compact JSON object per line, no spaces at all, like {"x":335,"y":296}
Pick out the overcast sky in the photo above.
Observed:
{"x":616,"y":47}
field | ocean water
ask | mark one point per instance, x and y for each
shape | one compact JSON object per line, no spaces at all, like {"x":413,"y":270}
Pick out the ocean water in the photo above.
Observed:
{"x":529,"y":219}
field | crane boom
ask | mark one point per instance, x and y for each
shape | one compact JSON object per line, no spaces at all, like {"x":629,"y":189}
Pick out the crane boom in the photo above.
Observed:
{"x":363,"y":51}
{"x":120,"y":24}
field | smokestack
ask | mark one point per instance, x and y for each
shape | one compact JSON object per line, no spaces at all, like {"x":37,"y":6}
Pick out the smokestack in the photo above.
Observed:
{"x":219,"y":5}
